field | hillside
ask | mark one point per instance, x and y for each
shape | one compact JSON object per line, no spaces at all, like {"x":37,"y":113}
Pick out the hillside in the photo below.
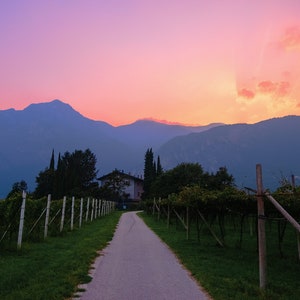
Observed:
{"x":239,"y":147}
{"x":28,"y":137}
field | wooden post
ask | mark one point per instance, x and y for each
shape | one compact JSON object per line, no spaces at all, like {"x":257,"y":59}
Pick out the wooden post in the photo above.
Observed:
{"x":158,"y":209}
{"x":80,"y":214}
{"x":288,"y":217}
{"x":21,"y":224}
{"x":96,"y":209}
{"x":63,"y":214}
{"x":102,"y":208}
{"x":87,"y":209}
{"x":72,"y":213}
{"x":99,"y":207}
{"x":187,"y":223}
{"x":209,"y":228}
{"x":261,"y":228}
{"x":92,"y":213}
{"x":47,"y":216}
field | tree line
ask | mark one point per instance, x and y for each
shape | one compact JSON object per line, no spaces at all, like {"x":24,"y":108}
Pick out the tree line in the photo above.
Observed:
{"x":74,"y":174}
{"x":160,"y":183}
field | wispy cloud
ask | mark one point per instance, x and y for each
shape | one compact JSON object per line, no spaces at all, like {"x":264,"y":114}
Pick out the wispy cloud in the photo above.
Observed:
{"x":275,"y":89}
{"x":279,"y":89}
{"x":245,"y":93}
{"x":290,"y":40}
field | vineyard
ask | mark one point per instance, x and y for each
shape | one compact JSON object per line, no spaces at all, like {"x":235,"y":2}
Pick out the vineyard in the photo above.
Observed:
{"x":32,"y":220}
{"x":236,"y":219}
{"x":194,"y":207}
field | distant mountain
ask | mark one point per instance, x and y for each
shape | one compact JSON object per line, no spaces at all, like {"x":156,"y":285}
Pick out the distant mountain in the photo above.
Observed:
{"x":145,"y":134}
{"x":28,"y":137}
{"x":273,"y":143}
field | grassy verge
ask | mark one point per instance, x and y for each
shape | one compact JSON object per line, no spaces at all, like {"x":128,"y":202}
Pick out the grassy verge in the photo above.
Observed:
{"x":231,"y":272}
{"x":54,"y":268}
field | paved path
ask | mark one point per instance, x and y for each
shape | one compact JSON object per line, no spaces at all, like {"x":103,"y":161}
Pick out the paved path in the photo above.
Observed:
{"x":137,"y":265}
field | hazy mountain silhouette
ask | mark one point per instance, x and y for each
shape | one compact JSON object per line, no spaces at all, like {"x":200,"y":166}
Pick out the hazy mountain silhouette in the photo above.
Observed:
{"x":28,"y":137}
{"x":274,"y":143}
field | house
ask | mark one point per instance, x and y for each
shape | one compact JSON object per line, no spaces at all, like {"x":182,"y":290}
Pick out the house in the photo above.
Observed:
{"x":124,"y":184}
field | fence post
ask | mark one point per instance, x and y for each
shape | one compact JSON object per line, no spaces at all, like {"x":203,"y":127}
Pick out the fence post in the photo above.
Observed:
{"x":80,"y":215}
{"x":99,"y":207}
{"x":96,"y":208}
{"x":72,"y":213}
{"x":261,"y":228}
{"x":21,"y":224}
{"x":187,"y":223}
{"x":47,"y":216}
{"x":102,"y":208}
{"x":63,"y":214}
{"x":87,"y":209}
{"x":92,"y":212}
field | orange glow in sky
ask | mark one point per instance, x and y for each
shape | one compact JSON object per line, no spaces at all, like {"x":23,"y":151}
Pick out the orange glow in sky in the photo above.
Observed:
{"x":192,"y":62}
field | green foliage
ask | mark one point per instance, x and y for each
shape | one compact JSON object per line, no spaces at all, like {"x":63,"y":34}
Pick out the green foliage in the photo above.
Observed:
{"x":232,"y":272}
{"x":159,"y":169}
{"x":53,"y":269}
{"x":34,"y":222}
{"x":17,"y":188}
{"x":114,"y":187}
{"x":149,"y":172}
{"x":75,"y":175}
{"x":188,"y":174}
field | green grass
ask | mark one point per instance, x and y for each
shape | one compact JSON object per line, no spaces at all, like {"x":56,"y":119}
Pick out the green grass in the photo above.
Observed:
{"x":232,"y":272}
{"x":53,"y":269}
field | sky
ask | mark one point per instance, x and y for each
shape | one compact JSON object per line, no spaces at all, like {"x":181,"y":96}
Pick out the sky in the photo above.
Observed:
{"x":192,"y":62}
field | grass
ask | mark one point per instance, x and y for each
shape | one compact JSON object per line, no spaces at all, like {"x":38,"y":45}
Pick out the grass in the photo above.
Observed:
{"x":53,"y":269}
{"x":232,"y":272}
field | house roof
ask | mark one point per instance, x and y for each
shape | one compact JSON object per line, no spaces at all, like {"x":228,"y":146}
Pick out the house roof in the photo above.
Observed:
{"x":125,"y":175}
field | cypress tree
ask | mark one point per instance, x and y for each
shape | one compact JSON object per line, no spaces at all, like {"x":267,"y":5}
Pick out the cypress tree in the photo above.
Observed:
{"x":148,"y":172}
{"x":159,"y":168}
{"x":51,"y":166}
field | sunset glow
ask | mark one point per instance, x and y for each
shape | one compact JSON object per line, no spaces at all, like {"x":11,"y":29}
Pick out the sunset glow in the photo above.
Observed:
{"x":192,"y":62}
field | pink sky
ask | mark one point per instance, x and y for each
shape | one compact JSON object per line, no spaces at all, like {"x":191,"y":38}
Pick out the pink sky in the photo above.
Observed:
{"x":192,"y":61}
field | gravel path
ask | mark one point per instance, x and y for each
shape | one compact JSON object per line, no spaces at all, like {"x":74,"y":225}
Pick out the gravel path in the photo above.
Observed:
{"x":137,"y":265}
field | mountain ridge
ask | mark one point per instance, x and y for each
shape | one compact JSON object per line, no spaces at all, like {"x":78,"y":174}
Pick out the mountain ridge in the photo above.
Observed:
{"x":240,"y":147}
{"x":28,"y":137}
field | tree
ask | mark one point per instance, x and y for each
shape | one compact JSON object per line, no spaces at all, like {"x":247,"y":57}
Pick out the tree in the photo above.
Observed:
{"x":159,"y":169}
{"x":220,"y":180}
{"x":51,"y":166}
{"x":17,"y":188}
{"x":78,"y":172}
{"x":149,"y":172}
{"x":75,"y":175}
{"x":44,"y":181}
{"x":174,"y":180}
{"x":115,"y":186}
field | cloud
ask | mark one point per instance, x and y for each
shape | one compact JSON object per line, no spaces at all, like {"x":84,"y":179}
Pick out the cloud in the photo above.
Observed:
{"x":266,"y":87}
{"x":245,"y":93}
{"x":279,"y":89}
{"x":291,"y":39}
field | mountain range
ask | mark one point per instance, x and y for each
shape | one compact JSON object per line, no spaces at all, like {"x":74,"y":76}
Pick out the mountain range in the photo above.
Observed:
{"x":28,"y":137}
